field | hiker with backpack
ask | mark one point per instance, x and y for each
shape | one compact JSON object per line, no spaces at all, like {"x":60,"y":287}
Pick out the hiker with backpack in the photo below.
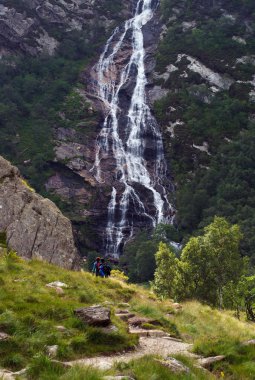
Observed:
{"x":96,"y":266}
{"x":106,"y":269}
{"x":101,"y":268}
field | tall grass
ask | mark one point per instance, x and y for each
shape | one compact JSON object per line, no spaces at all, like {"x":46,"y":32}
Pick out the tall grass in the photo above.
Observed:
{"x":30,"y":312}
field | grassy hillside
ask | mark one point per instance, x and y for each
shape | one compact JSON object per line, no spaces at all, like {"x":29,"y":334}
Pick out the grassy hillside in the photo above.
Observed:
{"x":30,"y":313}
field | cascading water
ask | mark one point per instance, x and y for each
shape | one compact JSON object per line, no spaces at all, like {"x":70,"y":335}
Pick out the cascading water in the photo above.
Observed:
{"x":138,"y":196}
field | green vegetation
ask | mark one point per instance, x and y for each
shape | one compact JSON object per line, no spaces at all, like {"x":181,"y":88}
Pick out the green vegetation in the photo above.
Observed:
{"x":217,"y":182}
{"x":37,"y":95}
{"x":216,"y":333}
{"x":32,"y":93}
{"x":210,"y":268}
{"x":46,"y":369}
{"x":138,"y":259}
{"x":30,"y":313}
{"x":211,"y":39}
{"x":149,"y":368}
{"x":210,"y":262}
{"x":225,"y":189}
{"x":167,"y":266}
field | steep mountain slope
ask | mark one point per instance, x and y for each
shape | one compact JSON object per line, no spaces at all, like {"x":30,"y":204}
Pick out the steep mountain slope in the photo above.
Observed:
{"x":201,"y":91}
{"x":206,"y":70}
{"x":37,"y":99}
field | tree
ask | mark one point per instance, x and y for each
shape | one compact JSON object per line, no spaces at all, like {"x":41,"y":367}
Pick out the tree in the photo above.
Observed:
{"x":212,"y":261}
{"x":246,"y":290}
{"x":196,"y":278}
{"x":165,"y":274}
{"x":138,"y":259}
{"x":241,"y":296}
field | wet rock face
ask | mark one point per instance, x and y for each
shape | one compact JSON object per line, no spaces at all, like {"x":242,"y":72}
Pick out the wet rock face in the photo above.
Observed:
{"x":77,"y":153}
{"x":34,"y":226}
{"x":26,"y":27}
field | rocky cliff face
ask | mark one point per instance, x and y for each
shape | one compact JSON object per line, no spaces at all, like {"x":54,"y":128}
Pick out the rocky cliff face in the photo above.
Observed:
{"x":38,"y":26}
{"x":201,"y":88}
{"x":75,"y":152}
{"x":185,"y":71}
{"x":34,"y":226}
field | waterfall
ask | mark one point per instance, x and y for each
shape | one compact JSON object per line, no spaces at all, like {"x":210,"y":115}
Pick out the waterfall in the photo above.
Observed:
{"x":138,"y":196}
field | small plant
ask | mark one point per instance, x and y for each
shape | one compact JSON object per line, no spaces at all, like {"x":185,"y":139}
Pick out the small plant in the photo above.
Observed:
{"x":97,"y":336}
{"x":11,"y":260}
{"x":14,"y":361}
{"x":42,"y":367}
{"x":79,"y":343}
{"x":26,"y":184}
{"x":3,"y":240}
{"x":119,"y":275}
{"x":82,"y":373}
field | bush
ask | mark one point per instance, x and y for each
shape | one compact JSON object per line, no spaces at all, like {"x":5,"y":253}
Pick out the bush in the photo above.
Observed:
{"x":119,"y":275}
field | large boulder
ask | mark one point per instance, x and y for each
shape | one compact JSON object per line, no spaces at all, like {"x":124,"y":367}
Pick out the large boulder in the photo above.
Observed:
{"x":94,"y":315}
{"x":34,"y":226}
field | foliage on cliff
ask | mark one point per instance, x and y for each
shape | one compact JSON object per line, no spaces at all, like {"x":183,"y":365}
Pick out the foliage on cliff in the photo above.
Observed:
{"x":208,"y":126}
{"x":37,"y":89}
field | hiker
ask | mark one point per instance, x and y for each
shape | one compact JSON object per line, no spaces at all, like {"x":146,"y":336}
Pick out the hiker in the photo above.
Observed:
{"x":106,"y":269}
{"x":96,"y":267}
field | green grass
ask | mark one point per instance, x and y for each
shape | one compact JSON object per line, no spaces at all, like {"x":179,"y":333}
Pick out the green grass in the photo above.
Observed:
{"x":30,"y":313}
{"x":148,"y":368}
{"x":43,"y":368}
{"x":218,"y":333}
{"x":212,"y":332}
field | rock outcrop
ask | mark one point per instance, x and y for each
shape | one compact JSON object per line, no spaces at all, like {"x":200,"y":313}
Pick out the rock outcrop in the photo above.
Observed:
{"x":35,"y":26}
{"x":34,"y":226}
{"x":94,"y":315}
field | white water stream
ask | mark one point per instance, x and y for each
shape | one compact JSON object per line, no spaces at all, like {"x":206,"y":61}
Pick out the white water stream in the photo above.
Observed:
{"x":124,"y":58}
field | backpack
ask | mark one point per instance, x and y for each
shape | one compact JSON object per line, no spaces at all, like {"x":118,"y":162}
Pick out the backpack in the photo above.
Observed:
{"x":107,"y":270}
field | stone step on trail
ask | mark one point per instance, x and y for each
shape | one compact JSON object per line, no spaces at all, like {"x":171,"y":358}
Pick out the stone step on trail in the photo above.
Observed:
{"x":149,"y":333}
{"x":125,"y":316}
{"x":151,"y":341}
{"x":137,"y":321}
